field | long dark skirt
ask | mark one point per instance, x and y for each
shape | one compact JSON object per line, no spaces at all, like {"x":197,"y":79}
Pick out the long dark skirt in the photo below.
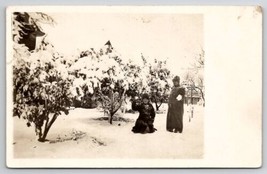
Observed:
{"x":175,"y":117}
{"x":143,"y":126}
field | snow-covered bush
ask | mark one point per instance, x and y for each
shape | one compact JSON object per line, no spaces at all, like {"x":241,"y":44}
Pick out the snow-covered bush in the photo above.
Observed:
{"x":40,"y":82}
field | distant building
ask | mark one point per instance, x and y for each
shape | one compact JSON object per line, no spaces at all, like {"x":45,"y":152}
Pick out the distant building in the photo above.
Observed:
{"x":29,"y":31}
{"x":194,"y":98}
{"x":191,"y":94}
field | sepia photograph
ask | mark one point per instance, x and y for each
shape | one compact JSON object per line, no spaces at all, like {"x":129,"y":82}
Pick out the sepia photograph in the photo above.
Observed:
{"x":106,"y":85}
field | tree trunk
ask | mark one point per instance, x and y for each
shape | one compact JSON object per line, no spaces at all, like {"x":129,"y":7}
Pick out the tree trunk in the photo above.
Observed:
{"x":43,"y":138}
{"x":202,"y":95}
{"x":157,"y":106}
{"x":114,"y":110}
{"x":39,"y":133}
{"x":47,"y":128}
{"x":111,"y":118}
{"x":38,"y":128}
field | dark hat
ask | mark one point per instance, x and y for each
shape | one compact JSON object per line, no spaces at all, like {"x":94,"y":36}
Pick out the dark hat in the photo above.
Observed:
{"x":176,"y":79}
{"x":145,"y":96}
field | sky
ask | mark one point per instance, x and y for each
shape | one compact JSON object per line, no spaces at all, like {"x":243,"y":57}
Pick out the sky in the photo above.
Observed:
{"x":176,"y":37}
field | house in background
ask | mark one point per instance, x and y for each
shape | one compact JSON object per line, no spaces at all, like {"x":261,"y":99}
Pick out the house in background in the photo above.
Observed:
{"x":192,"y":95}
{"x":29,"y":30}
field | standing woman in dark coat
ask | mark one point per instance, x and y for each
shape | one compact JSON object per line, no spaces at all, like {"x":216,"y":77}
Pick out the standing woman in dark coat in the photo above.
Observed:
{"x":176,"y":107}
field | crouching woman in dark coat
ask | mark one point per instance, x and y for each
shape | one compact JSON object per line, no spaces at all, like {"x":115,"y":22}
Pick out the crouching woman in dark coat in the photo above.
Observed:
{"x":144,"y":123}
{"x":176,"y":107}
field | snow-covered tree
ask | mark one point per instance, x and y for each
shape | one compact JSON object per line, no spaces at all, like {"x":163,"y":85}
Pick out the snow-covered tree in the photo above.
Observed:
{"x":137,"y":78}
{"x":199,"y":68}
{"x":40,"y":80}
{"x":195,"y":75}
{"x":152,"y":78}
{"x":159,"y":82}
{"x":102,"y":73}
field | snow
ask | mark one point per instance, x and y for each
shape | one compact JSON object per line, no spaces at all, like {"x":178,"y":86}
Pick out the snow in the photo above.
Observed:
{"x":102,"y":140}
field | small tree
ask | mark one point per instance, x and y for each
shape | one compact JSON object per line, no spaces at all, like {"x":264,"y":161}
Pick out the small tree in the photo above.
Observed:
{"x":195,"y":75}
{"x":113,"y":81}
{"x":198,"y":68}
{"x":111,"y":97}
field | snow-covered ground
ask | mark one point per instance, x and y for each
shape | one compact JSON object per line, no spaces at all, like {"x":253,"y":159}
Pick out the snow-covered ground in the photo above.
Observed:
{"x":88,"y":137}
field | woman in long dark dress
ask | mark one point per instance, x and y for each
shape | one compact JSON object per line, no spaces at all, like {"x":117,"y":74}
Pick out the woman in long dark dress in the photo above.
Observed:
{"x":176,"y":107}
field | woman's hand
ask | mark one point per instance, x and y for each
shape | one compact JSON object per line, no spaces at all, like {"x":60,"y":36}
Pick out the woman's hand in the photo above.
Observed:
{"x":137,"y":100}
{"x":134,"y":99}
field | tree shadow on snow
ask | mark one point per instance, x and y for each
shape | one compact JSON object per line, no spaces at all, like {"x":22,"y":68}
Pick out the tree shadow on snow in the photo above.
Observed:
{"x":117,"y":118}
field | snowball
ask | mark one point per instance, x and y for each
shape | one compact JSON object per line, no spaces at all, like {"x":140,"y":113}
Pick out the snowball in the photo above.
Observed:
{"x":179,"y":97}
